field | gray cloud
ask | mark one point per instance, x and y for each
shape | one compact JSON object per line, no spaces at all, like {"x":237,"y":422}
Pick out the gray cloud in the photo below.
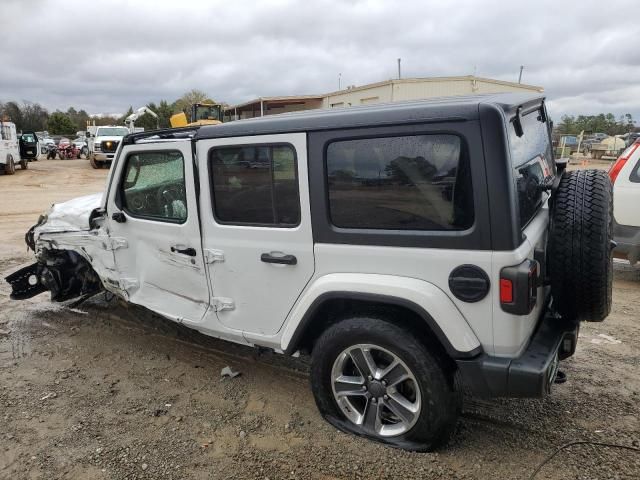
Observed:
{"x":105,"y":56}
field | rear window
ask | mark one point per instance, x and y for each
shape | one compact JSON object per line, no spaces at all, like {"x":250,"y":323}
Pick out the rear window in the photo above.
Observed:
{"x":532,"y":162}
{"x":415,"y":182}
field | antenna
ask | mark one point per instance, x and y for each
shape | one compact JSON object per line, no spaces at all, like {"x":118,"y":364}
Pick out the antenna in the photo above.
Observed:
{"x":339,"y":81}
{"x":520,"y":76}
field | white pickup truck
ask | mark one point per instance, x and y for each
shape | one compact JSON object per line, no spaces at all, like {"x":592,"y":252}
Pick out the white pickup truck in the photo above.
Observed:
{"x":102,"y":147}
{"x":9,"y":149}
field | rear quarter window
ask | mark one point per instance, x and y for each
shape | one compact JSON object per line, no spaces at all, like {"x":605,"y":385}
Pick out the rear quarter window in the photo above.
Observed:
{"x":413,"y":182}
{"x":532,"y":162}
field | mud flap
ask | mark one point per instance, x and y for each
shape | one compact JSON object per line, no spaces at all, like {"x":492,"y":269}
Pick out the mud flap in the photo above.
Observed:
{"x":25,"y":283}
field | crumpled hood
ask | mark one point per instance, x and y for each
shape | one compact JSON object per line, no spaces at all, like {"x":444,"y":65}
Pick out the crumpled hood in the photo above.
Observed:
{"x":72,"y":215}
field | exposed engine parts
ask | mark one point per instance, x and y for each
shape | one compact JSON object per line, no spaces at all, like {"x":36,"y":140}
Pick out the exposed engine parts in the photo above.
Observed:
{"x":64,"y":273}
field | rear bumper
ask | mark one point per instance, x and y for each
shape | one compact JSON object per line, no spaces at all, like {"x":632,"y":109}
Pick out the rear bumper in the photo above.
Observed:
{"x":529,"y":375}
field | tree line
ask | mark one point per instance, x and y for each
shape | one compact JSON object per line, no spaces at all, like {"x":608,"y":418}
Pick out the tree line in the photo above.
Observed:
{"x":30,"y":116}
{"x":601,"y":123}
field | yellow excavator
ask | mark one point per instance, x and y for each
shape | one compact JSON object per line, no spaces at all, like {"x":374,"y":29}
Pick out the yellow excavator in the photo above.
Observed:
{"x":201,"y":114}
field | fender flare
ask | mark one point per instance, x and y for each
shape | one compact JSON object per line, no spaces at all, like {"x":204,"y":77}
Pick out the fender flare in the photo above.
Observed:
{"x":425,"y":299}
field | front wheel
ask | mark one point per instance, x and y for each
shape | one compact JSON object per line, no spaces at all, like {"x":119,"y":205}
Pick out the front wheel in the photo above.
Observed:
{"x":375,"y":379}
{"x":24,"y":163}
{"x":9,"y":166}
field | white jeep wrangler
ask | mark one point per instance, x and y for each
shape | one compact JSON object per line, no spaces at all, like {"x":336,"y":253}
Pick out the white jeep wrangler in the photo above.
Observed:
{"x":415,"y":249}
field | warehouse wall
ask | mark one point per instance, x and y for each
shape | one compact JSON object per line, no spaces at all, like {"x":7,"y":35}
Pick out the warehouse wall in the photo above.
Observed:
{"x":396,"y":91}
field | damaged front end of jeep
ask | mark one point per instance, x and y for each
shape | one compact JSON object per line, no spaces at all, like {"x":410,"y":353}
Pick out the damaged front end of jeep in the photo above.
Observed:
{"x":70,"y":251}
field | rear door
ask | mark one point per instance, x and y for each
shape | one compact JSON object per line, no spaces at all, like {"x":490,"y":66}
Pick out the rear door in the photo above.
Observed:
{"x":533,"y":167}
{"x":153,"y":222}
{"x":256,"y":228}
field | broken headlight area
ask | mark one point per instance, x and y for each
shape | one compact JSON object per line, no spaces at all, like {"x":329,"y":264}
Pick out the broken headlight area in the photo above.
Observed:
{"x":29,"y":237}
{"x":64,"y":273}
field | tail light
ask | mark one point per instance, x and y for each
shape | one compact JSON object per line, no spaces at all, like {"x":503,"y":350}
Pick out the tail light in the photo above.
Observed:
{"x":519,"y":287}
{"x":614,"y":171}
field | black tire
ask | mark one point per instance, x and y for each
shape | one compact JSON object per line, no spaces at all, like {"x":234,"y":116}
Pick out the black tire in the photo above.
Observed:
{"x":440,"y":402}
{"x":85,"y":152}
{"x":9,"y":166}
{"x":580,"y":240}
{"x":95,"y":163}
{"x":24,"y":163}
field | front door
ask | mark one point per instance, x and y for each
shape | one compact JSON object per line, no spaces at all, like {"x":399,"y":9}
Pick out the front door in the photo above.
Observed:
{"x":256,"y":228}
{"x":153,"y":224}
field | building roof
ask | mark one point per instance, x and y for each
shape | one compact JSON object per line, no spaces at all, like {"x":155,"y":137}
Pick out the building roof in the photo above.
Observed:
{"x":467,"y":78}
{"x":282,"y":99}
{"x":458,"y":108}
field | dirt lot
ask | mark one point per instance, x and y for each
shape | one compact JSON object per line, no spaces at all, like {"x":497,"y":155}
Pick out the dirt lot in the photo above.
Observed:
{"x":105,"y":391}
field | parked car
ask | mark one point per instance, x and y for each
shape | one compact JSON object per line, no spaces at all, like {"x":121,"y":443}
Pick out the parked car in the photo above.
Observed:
{"x":67,"y":149}
{"x":45,"y":143}
{"x":625,"y":175}
{"x":412,"y":248}
{"x":10,"y":149}
{"x":567,"y":144}
{"x":82,"y":144}
{"x":632,"y":137}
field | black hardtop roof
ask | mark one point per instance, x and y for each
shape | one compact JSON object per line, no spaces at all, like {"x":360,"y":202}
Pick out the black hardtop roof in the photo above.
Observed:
{"x":459,"y":108}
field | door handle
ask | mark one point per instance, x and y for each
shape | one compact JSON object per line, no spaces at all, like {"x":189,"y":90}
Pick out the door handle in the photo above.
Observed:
{"x":118,"y":217}
{"x":283,"y":259}
{"x":185,"y":251}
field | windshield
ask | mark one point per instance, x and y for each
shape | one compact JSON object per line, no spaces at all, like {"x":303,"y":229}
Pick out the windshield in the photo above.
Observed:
{"x":28,"y":137}
{"x":112,"y":132}
{"x":207,"y":112}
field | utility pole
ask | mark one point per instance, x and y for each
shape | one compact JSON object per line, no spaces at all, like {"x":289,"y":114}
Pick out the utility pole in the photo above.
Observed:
{"x":520,"y":76}
{"x":399,"y":74}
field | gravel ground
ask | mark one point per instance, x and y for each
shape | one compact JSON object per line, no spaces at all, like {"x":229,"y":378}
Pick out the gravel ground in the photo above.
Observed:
{"x":109,"y":391}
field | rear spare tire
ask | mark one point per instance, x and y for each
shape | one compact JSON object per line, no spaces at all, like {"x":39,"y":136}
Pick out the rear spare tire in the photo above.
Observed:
{"x":580,"y":240}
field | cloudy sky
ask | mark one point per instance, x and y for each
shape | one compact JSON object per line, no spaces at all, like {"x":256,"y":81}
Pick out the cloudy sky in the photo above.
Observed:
{"x":106,"y":55}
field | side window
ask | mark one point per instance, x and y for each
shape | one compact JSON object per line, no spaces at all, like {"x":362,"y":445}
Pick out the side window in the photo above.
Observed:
{"x":417,"y":182}
{"x":154,"y":186}
{"x":532,"y":162}
{"x":255,"y":185}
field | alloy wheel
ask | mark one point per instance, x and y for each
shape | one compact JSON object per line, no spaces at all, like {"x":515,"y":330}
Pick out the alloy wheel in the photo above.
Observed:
{"x":376,"y":390}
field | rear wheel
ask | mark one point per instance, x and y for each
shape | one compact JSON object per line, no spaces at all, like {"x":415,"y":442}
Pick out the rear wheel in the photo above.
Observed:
{"x":9,"y":166}
{"x":580,"y":245}
{"x":374,"y":379}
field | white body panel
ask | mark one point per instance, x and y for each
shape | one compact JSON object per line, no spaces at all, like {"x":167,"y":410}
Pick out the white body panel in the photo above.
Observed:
{"x":262,"y":294}
{"x":626,"y":193}
{"x":424,"y":294}
{"x":9,"y":143}
{"x":151,"y":273}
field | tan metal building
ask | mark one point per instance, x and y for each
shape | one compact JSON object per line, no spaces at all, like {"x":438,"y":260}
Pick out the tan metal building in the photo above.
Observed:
{"x":396,"y":90}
